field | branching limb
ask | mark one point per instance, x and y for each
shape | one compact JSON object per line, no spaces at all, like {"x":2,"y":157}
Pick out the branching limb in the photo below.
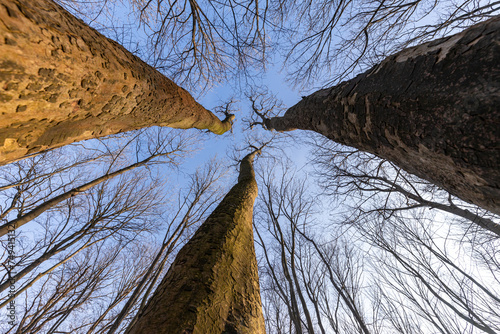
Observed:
{"x":264,"y":106}
{"x":228,"y":109}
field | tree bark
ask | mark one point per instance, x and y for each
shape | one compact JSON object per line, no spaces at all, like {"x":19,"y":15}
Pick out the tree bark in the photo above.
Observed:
{"x":432,"y":109}
{"x":213,"y":284}
{"x":61,"y":81}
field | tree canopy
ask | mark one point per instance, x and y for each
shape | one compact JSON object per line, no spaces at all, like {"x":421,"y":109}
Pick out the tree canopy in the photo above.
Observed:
{"x":381,"y":217}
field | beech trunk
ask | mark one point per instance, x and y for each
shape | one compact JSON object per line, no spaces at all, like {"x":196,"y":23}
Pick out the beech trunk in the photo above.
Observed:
{"x":213,"y":284}
{"x":61,"y":81}
{"x":432,"y":109}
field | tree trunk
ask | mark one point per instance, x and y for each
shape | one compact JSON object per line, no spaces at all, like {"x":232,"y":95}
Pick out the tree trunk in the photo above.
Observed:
{"x":213,"y":285}
{"x":432,"y":109}
{"x":61,"y":81}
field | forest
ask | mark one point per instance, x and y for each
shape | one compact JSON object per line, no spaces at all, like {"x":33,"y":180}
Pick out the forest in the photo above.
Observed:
{"x":244,"y":166}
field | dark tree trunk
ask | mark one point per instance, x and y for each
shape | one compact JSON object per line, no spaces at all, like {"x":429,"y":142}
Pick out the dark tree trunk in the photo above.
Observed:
{"x":213,"y":284}
{"x":61,"y":81}
{"x":432,"y":109}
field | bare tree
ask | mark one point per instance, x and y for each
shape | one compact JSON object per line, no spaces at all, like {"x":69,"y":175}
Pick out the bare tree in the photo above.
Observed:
{"x":419,"y":267}
{"x":113,"y":211}
{"x":309,"y":274}
{"x":199,"y":43}
{"x":200,"y":197}
{"x":421,"y":271}
{"x":334,"y":39}
{"x":372,"y":185}
{"x":430,"y":109}
{"x":406,"y":272}
{"x":205,"y":41}
{"x":202,"y":43}
{"x":78,"y":285}
{"x":165,"y":146}
{"x":119,"y":210}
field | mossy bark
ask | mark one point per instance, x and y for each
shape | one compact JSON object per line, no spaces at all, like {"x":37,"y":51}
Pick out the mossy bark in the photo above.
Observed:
{"x":213,"y":285}
{"x":61,"y":81}
{"x":433,"y":110}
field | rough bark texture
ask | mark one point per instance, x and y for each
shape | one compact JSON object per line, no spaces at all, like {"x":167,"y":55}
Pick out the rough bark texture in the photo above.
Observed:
{"x":61,"y":81}
{"x":432,"y":109}
{"x":213,"y":285}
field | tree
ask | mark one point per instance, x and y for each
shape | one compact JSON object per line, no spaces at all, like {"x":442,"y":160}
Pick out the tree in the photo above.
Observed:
{"x":374,"y":186}
{"x":199,"y":198}
{"x":411,"y":273}
{"x":212,"y":286}
{"x":317,"y":279}
{"x":431,"y":109}
{"x":334,"y":39}
{"x":204,"y":42}
{"x":114,"y":223}
{"x":83,"y":284}
{"x":165,"y":147}
{"x":420,"y":269}
{"x":79,"y":251}
{"x":62,"y":82}
{"x":325,"y":279}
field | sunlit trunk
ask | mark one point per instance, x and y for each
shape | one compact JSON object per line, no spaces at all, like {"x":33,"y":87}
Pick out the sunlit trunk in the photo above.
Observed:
{"x":61,"y":81}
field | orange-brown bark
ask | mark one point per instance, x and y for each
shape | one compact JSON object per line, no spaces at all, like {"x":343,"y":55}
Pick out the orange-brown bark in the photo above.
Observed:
{"x":61,"y":81}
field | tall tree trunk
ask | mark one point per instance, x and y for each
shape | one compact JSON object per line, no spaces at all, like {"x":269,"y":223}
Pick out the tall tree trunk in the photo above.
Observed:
{"x":61,"y":81}
{"x":213,"y":285}
{"x":432,"y":109}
